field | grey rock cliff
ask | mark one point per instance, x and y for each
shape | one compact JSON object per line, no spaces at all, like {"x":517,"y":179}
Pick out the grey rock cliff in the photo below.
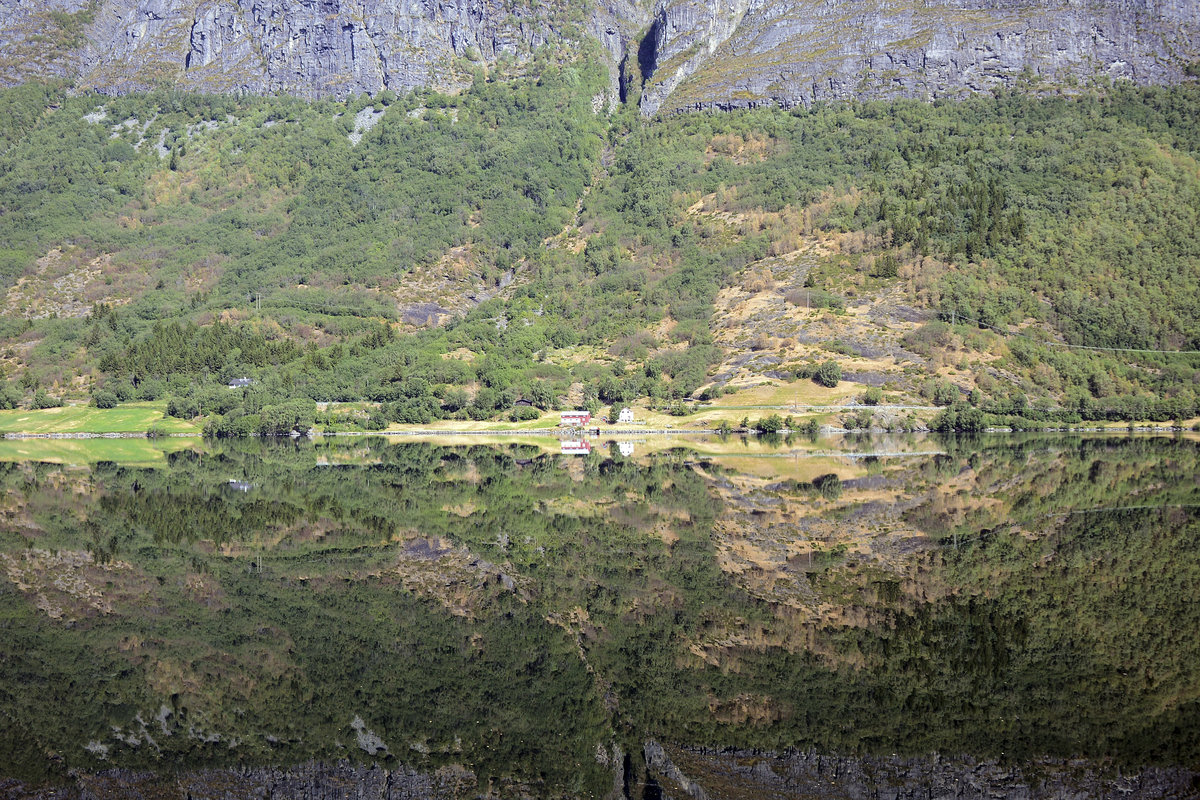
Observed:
{"x":800,"y":51}
{"x":818,"y":776}
{"x":309,"y":48}
{"x":679,"y":54}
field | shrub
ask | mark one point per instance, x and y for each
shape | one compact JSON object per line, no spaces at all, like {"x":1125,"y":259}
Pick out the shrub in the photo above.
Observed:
{"x":9,"y":396}
{"x":524,"y":414}
{"x":43,"y":400}
{"x":959,"y":417}
{"x":182,"y":408}
{"x":859,"y":421}
{"x":872,"y":396}
{"x":103,"y":398}
{"x":828,"y":373}
{"x":886,"y":266}
{"x":944,"y":393}
{"x":829,"y":486}
{"x":771,"y":424}
{"x":678,"y":409}
{"x":925,"y":339}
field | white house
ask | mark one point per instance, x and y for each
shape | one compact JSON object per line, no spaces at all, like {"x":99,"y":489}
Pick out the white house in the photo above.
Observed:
{"x":626,"y":415}
{"x":625,"y":448}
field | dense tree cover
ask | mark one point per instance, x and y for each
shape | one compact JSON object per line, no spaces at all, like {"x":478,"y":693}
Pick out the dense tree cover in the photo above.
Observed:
{"x":263,"y":220}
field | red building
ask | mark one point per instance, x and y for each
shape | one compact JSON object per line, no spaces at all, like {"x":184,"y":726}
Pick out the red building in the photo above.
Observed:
{"x":575,"y":419}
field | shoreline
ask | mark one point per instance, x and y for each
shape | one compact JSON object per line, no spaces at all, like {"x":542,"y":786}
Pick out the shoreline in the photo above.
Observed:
{"x":552,"y":433}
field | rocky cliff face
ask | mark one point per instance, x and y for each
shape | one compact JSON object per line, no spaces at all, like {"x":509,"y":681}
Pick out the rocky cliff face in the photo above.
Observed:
{"x":700,"y":774}
{"x":801,"y":51}
{"x":308,"y":48}
{"x":692,"y":54}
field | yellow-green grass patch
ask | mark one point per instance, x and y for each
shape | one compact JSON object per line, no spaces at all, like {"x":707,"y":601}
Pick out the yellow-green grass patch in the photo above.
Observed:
{"x":125,"y":418}
{"x":126,"y":452}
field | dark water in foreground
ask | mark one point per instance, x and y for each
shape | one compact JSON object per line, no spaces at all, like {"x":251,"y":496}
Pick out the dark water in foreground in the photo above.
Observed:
{"x":522,"y":613}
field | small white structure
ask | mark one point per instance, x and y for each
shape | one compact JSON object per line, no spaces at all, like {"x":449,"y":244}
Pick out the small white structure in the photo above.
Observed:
{"x":625,"y":448}
{"x":575,"y":419}
{"x":240,"y":383}
{"x":626,"y":415}
{"x":576,"y":448}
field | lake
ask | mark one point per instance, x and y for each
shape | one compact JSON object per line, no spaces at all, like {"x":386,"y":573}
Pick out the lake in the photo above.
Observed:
{"x":646,"y":618}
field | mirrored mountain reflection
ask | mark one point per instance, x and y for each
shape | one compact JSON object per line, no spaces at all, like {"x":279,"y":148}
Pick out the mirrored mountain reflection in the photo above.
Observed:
{"x":508,"y":616}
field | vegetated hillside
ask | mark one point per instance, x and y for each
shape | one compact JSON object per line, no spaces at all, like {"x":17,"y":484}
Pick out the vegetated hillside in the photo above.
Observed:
{"x":160,"y":245}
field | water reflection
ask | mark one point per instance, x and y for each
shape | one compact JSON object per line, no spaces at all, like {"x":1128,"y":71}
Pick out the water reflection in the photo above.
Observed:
{"x":507,"y":609}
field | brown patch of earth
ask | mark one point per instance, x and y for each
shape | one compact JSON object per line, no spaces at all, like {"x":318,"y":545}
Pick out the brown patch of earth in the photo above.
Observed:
{"x":67,"y":284}
{"x":430,"y":296}
{"x":461,"y":582}
{"x":70,"y":584}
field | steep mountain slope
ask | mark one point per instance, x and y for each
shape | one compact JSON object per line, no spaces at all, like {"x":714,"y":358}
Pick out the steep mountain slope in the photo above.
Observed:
{"x":513,"y":243}
{"x":678,"y":53}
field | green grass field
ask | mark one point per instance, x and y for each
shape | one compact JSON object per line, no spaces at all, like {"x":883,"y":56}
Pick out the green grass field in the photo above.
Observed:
{"x":125,"y":418}
{"x":81,"y":452}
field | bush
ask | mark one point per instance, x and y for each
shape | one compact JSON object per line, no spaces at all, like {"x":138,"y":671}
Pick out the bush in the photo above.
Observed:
{"x":944,"y":393}
{"x":9,"y":396}
{"x":771,"y":424}
{"x":828,"y":373}
{"x":103,"y":398}
{"x":885,"y":266}
{"x":150,"y":389}
{"x":925,"y":339}
{"x":292,"y":416}
{"x":872,"y":396}
{"x":678,"y":409}
{"x":524,"y":414}
{"x":959,"y":417}
{"x":829,"y":486}
{"x":182,"y":408}
{"x":42,"y":400}
{"x":859,"y":421}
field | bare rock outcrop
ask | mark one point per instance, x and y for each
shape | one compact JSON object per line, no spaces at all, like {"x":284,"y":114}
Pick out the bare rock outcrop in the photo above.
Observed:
{"x":674,"y":54}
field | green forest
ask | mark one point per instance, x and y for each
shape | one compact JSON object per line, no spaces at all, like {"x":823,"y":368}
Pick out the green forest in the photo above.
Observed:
{"x":181,"y":241}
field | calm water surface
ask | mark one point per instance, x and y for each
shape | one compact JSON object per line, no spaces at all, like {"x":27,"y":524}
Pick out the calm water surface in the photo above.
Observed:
{"x":520,"y":612}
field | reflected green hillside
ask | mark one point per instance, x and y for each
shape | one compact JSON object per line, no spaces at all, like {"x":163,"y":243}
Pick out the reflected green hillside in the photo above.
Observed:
{"x":516,"y":612}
